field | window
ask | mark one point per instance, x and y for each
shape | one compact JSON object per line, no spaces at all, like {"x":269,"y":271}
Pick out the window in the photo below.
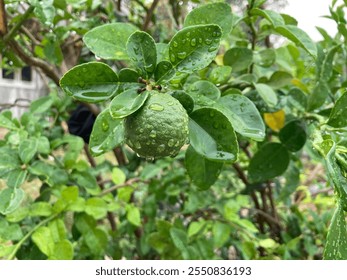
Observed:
{"x":26,"y":73}
{"x":7,"y":74}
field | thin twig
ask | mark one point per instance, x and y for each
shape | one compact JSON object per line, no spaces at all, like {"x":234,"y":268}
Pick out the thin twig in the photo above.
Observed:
{"x":126,"y":184}
{"x":149,"y":15}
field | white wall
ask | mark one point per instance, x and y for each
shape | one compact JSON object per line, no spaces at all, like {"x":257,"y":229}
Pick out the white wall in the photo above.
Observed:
{"x":11,"y":90}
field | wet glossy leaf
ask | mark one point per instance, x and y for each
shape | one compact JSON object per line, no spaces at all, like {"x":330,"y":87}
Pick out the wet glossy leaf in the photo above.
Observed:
{"x":128,"y":79}
{"x":127,"y":102}
{"x":109,"y":40}
{"x":90,"y":82}
{"x":299,"y":37}
{"x":96,"y":207}
{"x":202,"y":172}
{"x":238,"y":58}
{"x":142,"y":52}
{"x":336,"y":244}
{"x":327,"y":65}
{"x":275,"y":120}
{"x":265,"y":58}
{"x":318,"y":96}
{"x":27,"y":149}
{"x":297,"y":99}
{"x":280,"y":79}
{"x":274,"y":18}
{"x":269,"y":162}
{"x":10,"y":199}
{"x":243,"y":115}
{"x":293,"y":135}
{"x":214,"y":13}
{"x":164,"y":72}
{"x":204,"y":93}
{"x":220,"y":74}
{"x":338,"y":115}
{"x":41,"y":105}
{"x":86,"y":180}
{"x":15,"y":178}
{"x":267,"y":94}
{"x":6,"y":122}
{"x":162,"y":51}
{"x":212,"y":135}
{"x":193,"y":48}
{"x":107,"y":133}
{"x":185,"y":99}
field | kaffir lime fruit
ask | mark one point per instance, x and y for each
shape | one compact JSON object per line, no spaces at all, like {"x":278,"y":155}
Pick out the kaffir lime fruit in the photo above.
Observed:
{"x":159,"y":128}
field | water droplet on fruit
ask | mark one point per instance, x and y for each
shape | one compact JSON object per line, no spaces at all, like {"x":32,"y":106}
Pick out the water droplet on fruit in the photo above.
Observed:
{"x":138,"y":155}
{"x":177,"y":144}
{"x":161,"y":148}
{"x":156,"y":107}
{"x":153,"y":134}
{"x":171,"y":143}
{"x":149,"y":126}
{"x":182,"y":55}
{"x":211,"y":114}
{"x":216,"y":125}
{"x":200,"y":40}
{"x":138,"y":145}
{"x":193,"y":42}
{"x":175,"y":44}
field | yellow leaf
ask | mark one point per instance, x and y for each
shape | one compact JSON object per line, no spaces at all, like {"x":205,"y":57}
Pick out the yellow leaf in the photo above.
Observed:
{"x":275,"y":120}
{"x":219,"y":59}
{"x":300,"y":85}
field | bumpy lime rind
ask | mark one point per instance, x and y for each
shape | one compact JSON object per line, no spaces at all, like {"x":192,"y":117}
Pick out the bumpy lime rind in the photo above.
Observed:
{"x":159,"y":128}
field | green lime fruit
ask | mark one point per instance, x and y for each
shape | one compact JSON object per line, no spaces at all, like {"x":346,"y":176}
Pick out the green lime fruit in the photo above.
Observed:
{"x":159,"y":128}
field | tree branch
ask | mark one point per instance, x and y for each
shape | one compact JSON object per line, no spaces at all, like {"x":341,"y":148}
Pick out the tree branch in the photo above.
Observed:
{"x":149,"y":15}
{"x":3,"y":20}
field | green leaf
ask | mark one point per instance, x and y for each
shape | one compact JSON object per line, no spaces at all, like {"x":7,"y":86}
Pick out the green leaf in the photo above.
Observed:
{"x":43,"y":239}
{"x":212,"y":135}
{"x":96,"y":207}
{"x":264,"y":58}
{"x":97,"y":241}
{"x":203,"y":172}
{"x":299,"y":37}
{"x":214,"y":13}
{"x":297,"y":98}
{"x":15,"y":178}
{"x":180,"y":239}
{"x":128,"y":79}
{"x":10,"y":200}
{"x":41,"y":105}
{"x":127,"y":102}
{"x":86,"y":180}
{"x":63,"y":250}
{"x":195,"y":227}
{"x":274,"y":18}
{"x":133,"y":215}
{"x":162,"y":51}
{"x":270,"y":161}
{"x":43,"y":209}
{"x":193,"y":48}
{"x":107,"y":133}
{"x":221,"y":234}
{"x":7,"y":122}
{"x":109,"y":40}
{"x":142,"y":52}
{"x":43,"y":145}
{"x":317,"y":98}
{"x":327,"y":65}
{"x":27,"y":149}
{"x":280,"y":79}
{"x":90,"y":82}
{"x":204,"y":93}
{"x":336,"y":244}
{"x":338,"y":115}
{"x":238,"y":58}
{"x":267,"y":94}
{"x":185,"y":99}
{"x":220,"y":75}
{"x":293,"y":135}
{"x":9,"y":161}
{"x":44,"y":11}
{"x":164,"y":72}
{"x":243,"y":115}
{"x":118,"y":176}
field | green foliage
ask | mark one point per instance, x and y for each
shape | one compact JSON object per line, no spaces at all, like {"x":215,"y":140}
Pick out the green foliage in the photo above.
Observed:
{"x":244,"y":125}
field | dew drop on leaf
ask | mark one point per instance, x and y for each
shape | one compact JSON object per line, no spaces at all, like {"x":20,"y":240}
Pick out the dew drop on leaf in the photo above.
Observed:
{"x":193,"y":42}
{"x":212,"y":49}
{"x":182,"y":55}
{"x":172,"y":58}
{"x":175,"y":44}
{"x":105,"y":126}
{"x":208,"y":41}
